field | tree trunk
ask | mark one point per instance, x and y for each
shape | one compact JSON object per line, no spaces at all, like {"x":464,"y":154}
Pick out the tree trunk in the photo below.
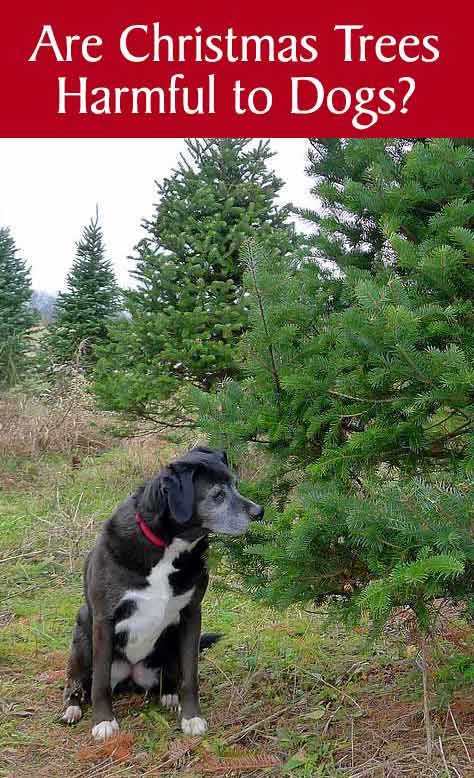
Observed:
{"x":426,"y":697}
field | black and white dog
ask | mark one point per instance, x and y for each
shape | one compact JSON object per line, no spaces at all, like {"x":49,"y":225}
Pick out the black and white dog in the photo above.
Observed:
{"x":144,"y":582}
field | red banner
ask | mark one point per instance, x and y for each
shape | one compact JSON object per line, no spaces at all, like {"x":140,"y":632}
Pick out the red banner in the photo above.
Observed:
{"x":236,"y":70}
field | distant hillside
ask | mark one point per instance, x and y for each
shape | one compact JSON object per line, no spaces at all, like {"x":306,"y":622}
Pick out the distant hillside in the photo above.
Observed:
{"x":44,"y":303}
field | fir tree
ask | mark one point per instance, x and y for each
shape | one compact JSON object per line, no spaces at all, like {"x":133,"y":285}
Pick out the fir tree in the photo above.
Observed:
{"x":359,"y":388}
{"x":187,"y":310}
{"x":16,"y":314}
{"x":91,"y":300}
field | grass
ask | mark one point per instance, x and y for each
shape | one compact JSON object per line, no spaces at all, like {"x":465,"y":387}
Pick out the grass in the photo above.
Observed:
{"x":285,"y":694}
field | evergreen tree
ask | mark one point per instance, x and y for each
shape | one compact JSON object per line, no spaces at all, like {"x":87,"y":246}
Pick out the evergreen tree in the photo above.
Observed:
{"x":187,"y":310}
{"x":16,"y":314}
{"x":91,"y":300}
{"x":359,"y":388}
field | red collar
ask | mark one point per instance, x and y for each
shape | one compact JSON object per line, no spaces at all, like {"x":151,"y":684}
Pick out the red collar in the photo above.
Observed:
{"x":148,"y":533}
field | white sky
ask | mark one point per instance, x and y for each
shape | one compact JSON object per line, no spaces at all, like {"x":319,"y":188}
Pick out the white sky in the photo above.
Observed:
{"x":50,"y":187}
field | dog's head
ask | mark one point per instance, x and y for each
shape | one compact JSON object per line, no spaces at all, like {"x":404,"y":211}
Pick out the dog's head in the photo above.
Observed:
{"x":198,"y":490}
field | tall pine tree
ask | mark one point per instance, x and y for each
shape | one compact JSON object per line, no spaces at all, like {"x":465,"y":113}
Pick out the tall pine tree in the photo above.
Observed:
{"x":188,"y":310}
{"x":16,"y":314}
{"x":90,"y":301}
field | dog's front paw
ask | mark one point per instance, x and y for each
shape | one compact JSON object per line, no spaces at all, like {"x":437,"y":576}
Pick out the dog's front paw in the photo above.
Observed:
{"x":194,"y":726}
{"x":170,"y":701}
{"x":105,"y":730}
{"x":72,"y":714}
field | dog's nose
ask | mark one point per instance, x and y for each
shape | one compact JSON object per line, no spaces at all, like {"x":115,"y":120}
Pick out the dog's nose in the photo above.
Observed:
{"x":257,"y":512}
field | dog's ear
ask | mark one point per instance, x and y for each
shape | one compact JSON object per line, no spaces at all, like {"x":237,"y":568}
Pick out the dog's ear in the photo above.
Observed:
{"x":179,"y":488}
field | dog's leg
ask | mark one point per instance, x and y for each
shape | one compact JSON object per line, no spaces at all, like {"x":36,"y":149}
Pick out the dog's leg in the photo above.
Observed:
{"x":79,"y":670}
{"x":192,"y":722}
{"x":104,"y":724}
{"x":169,"y":686}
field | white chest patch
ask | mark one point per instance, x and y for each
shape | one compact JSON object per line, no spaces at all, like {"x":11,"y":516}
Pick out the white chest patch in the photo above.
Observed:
{"x":157,"y":607}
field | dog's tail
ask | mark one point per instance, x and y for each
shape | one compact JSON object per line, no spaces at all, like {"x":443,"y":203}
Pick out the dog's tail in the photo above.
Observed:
{"x":208,"y":639}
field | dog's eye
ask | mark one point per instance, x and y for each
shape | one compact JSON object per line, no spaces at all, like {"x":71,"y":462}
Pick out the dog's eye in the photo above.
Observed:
{"x":219,"y":495}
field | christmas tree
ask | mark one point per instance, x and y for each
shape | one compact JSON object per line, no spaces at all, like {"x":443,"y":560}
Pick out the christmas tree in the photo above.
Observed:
{"x":188,"y":310}
{"x":90,"y":301}
{"x":16,"y":314}
{"x":358,"y":387}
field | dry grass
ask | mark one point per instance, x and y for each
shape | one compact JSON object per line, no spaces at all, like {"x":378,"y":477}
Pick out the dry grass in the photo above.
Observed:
{"x":64,"y":422}
{"x":148,"y":453}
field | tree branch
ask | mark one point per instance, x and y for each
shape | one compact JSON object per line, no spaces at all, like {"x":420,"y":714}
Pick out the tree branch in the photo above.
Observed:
{"x":251,"y":265}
